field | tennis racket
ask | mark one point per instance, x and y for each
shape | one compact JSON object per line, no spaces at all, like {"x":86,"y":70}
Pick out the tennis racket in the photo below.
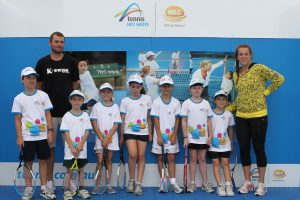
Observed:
{"x":233,"y":162}
{"x":24,"y":180}
{"x":185,"y":170}
{"x":165,"y":179}
{"x":71,"y":181}
{"x":121,"y":172}
{"x":101,"y":177}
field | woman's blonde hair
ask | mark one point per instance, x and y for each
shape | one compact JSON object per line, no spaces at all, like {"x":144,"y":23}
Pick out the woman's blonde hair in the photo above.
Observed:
{"x":205,"y":63}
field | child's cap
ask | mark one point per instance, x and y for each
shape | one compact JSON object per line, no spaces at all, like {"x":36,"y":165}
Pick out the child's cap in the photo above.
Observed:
{"x":76,"y":93}
{"x":149,"y":53}
{"x":106,"y":86}
{"x":220,"y":93}
{"x":135,"y":78}
{"x":166,"y":80}
{"x":28,"y":71}
{"x":196,"y":81}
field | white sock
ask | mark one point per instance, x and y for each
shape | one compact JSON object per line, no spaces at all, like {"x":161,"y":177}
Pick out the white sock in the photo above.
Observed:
{"x":172,"y":180}
{"x":43,"y":187}
{"x":228,"y":183}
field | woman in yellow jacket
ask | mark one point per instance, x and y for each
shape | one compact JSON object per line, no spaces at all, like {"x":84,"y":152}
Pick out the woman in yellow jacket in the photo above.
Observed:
{"x":251,"y":113}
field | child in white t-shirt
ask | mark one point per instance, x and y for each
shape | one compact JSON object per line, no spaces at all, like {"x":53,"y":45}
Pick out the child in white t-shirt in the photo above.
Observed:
{"x":221,"y":145}
{"x":136,"y":131}
{"x":105,"y":117}
{"x":34,"y":129}
{"x":165,"y":111}
{"x":197,"y":132}
{"x":76,"y":126}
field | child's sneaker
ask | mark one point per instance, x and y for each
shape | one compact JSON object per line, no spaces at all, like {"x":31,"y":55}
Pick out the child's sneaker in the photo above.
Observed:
{"x":175,"y":188}
{"x":207,"y":187}
{"x":27,"y":194}
{"x":46,"y":194}
{"x":68,"y":195}
{"x":229,"y":190}
{"x":246,"y":187}
{"x":160,"y":188}
{"x":261,"y":190}
{"x":83,"y":194}
{"x":130,"y":186}
{"x":110,"y":190}
{"x":138,"y":189}
{"x":221,"y":190}
{"x":51,"y":186}
{"x":192,"y":188}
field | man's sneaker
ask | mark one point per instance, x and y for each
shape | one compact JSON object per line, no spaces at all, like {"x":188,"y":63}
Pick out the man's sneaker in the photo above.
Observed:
{"x":192,"y":188}
{"x":138,"y":189}
{"x":229,"y":190}
{"x":83,"y":194}
{"x":51,"y":186}
{"x":68,"y":195}
{"x":246,"y":187}
{"x":207,"y":187}
{"x":46,"y":194}
{"x":160,"y":188}
{"x":130,"y":186}
{"x":175,"y":188}
{"x":221,"y":190}
{"x":261,"y":190}
{"x":27,"y":194}
{"x":110,"y":190}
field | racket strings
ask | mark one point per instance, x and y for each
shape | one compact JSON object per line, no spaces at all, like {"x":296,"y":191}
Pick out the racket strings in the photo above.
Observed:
{"x":121,"y":176}
{"x":100,"y":179}
{"x":24,"y":181}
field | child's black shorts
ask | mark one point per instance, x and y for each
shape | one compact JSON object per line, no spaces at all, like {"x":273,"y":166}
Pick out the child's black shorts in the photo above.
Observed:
{"x":81,"y":162}
{"x":40,"y":147}
{"x":143,"y":138}
{"x":215,"y":154}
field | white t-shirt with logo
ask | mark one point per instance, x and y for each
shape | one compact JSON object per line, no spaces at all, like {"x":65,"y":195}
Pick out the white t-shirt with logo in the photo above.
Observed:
{"x":136,"y":111}
{"x":197,"y":115}
{"x":220,"y":124}
{"x":106,"y":117}
{"x":166,"y":113}
{"x":76,"y":126}
{"x":33,"y":107}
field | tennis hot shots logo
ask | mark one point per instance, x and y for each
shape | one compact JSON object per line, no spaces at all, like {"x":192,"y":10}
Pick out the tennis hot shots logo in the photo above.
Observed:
{"x":174,"y":14}
{"x":279,"y":174}
{"x":133,"y":16}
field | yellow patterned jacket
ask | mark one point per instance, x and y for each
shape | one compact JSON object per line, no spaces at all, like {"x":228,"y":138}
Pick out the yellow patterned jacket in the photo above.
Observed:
{"x":252,"y":91}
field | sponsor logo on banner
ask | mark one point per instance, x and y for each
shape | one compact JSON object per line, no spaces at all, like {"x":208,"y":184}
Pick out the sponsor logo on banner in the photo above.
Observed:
{"x":279,"y":175}
{"x":133,"y":16}
{"x":174,"y":14}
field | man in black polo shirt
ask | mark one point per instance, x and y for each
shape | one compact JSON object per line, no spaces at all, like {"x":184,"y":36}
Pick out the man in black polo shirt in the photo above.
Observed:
{"x":58,"y":76}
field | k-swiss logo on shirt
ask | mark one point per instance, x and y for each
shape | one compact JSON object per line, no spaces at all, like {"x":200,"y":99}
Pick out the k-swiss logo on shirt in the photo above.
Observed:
{"x":64,"y":71}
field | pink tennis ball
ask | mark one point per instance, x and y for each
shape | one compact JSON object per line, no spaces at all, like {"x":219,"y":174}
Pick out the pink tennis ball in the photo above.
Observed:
{"x":219,"y":135}
{"x":199,"y":126}
{"x":106,"y":132}
{"x":138,"y":121}
{"x":167,"y":131}
{"x":77,"y":139}
{"x":37,"y":121}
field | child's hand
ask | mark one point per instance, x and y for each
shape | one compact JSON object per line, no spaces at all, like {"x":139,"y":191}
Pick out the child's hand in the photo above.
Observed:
{"x":150,"y":138}
{"x":80,"y":146}
{"x":159,"y":140}
{"x":74,"y":151}
{"x":50,"y":137}
{"x":185,"y":142}
{"x":20,"y":142}
{"x":173,"y":139}
{"x":208,"y":141}
{"x":104,"y":143}
{"x":121,"y":141}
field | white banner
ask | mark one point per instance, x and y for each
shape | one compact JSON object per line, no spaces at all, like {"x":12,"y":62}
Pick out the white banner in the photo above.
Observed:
{"x":277,"y":175}
{"x":151,"y":18}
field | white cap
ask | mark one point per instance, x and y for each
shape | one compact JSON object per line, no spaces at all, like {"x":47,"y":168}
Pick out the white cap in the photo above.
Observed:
{"x":106,"y":86}
{"x":135,"y":78}
{"x":27,"y":71}
{"x":220,"y":93}
{"x":77,"y":93}
{"x":195,"y":81}
{"x":149,"y":53}
{"x":166,"y":80}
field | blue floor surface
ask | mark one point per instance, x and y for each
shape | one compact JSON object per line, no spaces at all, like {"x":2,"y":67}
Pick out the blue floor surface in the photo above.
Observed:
{"x":8,"y":193}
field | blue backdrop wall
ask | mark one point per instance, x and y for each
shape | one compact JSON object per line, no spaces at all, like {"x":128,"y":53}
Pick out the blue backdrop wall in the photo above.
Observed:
{"x":282,"y":55}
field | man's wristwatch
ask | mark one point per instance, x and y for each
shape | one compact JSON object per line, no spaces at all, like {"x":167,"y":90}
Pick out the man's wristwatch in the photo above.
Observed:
{"x":51,"y":129}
